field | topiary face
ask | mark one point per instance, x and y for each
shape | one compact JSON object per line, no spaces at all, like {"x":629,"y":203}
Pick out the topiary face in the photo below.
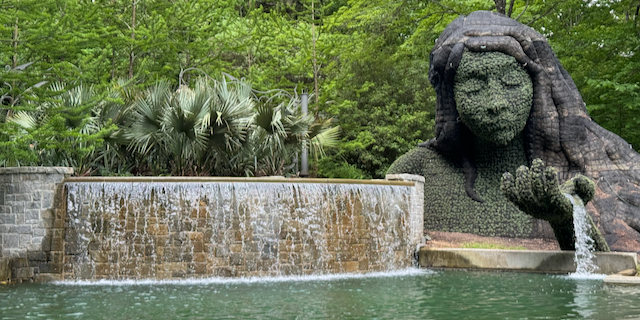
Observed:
{"x":493,"y":95}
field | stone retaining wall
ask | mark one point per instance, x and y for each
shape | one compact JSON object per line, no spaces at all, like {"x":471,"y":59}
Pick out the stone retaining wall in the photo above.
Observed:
{"x":202,"y":227}
{"x":31,"y":221}
{"x":37,"y":234}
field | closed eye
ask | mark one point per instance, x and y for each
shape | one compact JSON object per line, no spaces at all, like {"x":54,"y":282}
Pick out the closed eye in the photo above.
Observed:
{"x":512,"y":79}
{"x":471,"y":86}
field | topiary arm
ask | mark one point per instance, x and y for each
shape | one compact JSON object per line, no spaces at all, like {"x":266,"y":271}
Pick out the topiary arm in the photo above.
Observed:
{"x":537,"y":192}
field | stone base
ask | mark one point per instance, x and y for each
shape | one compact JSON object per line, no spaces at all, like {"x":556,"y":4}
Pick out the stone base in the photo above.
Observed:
{"x":521,"y":260}
{"x":5,"y":270}
{"x":620,"y":279}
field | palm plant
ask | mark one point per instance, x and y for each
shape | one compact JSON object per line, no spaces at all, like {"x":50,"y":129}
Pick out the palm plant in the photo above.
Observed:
{"x":183,"y":123}
{"x":197,"y":128}
{"x":280,"y":130}
{"x":229,"y":118}
{"x":117,"y":109}
{"x":65,"y":130}
{"x":146,"y":133}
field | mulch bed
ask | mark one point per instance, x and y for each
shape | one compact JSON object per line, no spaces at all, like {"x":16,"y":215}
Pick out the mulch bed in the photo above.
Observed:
{"x":441,"y":239}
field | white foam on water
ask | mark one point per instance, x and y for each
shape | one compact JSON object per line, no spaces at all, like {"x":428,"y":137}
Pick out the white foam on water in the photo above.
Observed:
{"x":272,"y":279}
{"x":585,"y":276}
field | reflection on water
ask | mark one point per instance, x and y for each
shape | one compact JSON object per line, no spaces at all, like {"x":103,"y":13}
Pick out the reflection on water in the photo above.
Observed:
{"x":583,"y":299}
{"x":413,"y":294}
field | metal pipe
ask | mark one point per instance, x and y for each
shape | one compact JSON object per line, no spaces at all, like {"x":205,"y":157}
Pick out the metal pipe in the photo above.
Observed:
{"x":304,"y":163}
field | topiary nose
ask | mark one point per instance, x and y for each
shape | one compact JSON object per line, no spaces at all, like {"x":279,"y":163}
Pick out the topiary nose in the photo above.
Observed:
{"x":497,"y":100}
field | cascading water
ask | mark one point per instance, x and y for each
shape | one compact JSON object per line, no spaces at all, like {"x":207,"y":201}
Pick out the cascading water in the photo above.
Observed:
{"x":164,"y":230}
{"x":584,"y":244}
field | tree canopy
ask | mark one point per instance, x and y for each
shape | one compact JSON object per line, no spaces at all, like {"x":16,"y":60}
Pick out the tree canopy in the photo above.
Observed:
{"x":364,"y":62}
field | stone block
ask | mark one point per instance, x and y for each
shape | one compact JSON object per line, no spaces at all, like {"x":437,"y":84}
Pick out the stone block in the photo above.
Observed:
{"x":7,"y":218}
{"x":10,"y":241}
{"x":47,"y":200}
{"x":48,"y":223}
{"x":225,"y":272}
{"x":36,"y":240}
{"x":348,"y":266}
{"x":39,"y":232}
{"x":161,"y":229}
{"x":13,"y":189}
{"x":236,"y":247}
{"x":22,"y":273}
{"x":4,"y":209}
{"x":36,"y":195}
{"x":35,"y":246}
{"x":33,"y":205}
{"x":21,"y":229}
{"x":222,"y":252}
{"x":36,"y":256}
{"x":265,"y":264}
{"x":70,"y":247}
{"x":197,"y":268}
{"x":102,"y":269}
{"x":178,"y":274}
{"x":345,"y":256}
{"x":98,"y":256}
{"x":289,"y":269}
{"x":48,"y":277}
{"x":195,"y":236}
{"x":17,"y":207}
{"x":19,"y":263}
{"x":25,"y":239}
{"x":46,"y":214}
{"x":251,"y":246}
{"x":49,"y":267}
{"x":22,"y":197}
{"x":199,"y":257}
{"x":363,"y":264}
{"x":236,"y":259}
{"x":198,"y":246}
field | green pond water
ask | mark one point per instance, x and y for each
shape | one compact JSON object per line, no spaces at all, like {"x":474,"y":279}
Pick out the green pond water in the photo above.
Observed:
{"x":409,"y":294}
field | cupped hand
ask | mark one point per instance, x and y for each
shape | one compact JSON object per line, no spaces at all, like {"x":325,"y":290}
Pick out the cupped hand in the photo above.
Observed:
{"x":536,"y":191}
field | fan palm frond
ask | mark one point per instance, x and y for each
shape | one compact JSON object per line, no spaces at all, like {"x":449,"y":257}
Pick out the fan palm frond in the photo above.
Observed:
{"x":146,"y":132}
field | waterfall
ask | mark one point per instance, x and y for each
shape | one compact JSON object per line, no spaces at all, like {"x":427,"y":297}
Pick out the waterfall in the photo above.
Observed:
{"x":584,"y":244}
{"x":168,"y":230}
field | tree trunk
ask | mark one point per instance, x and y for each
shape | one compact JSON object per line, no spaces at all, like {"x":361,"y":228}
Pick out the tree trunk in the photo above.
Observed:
{"x":15,"y":45}
{"x":501,"y":5}
{"x":315,"y":60}
{"x":510,"y":8}
{"x":133,"y":37}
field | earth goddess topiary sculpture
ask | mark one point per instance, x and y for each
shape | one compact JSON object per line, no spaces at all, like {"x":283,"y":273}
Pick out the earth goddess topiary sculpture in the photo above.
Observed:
{"x":503,"y":101}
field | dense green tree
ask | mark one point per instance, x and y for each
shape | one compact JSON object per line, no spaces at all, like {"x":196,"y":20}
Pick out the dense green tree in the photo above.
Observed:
{"x":364,"y":62}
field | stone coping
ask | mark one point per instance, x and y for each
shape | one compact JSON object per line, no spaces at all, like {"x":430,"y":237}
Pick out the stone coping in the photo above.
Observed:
{"x":619,"y":279}
{"x":236,"y":179}
{"x":521,"y":260}
{"x":45,"y":170}
{"x":404,"y":177}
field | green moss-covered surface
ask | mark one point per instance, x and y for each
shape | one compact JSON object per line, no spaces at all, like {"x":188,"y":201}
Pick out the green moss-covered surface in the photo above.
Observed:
{"x":536,"y":191}
{"x":493,"y":95}
{"x":447,"y":205}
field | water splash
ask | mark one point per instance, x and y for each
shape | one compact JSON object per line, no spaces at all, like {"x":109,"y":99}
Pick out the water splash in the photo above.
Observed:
{"x":584,"y":256}
{"x":217,"y":280}
{"x":172,"y":230}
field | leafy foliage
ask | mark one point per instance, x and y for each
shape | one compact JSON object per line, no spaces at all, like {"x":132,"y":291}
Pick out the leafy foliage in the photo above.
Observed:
{"x":366,"y":63}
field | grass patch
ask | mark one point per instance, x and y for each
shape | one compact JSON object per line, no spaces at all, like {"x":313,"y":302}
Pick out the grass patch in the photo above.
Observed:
{"x":485,"y":245}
